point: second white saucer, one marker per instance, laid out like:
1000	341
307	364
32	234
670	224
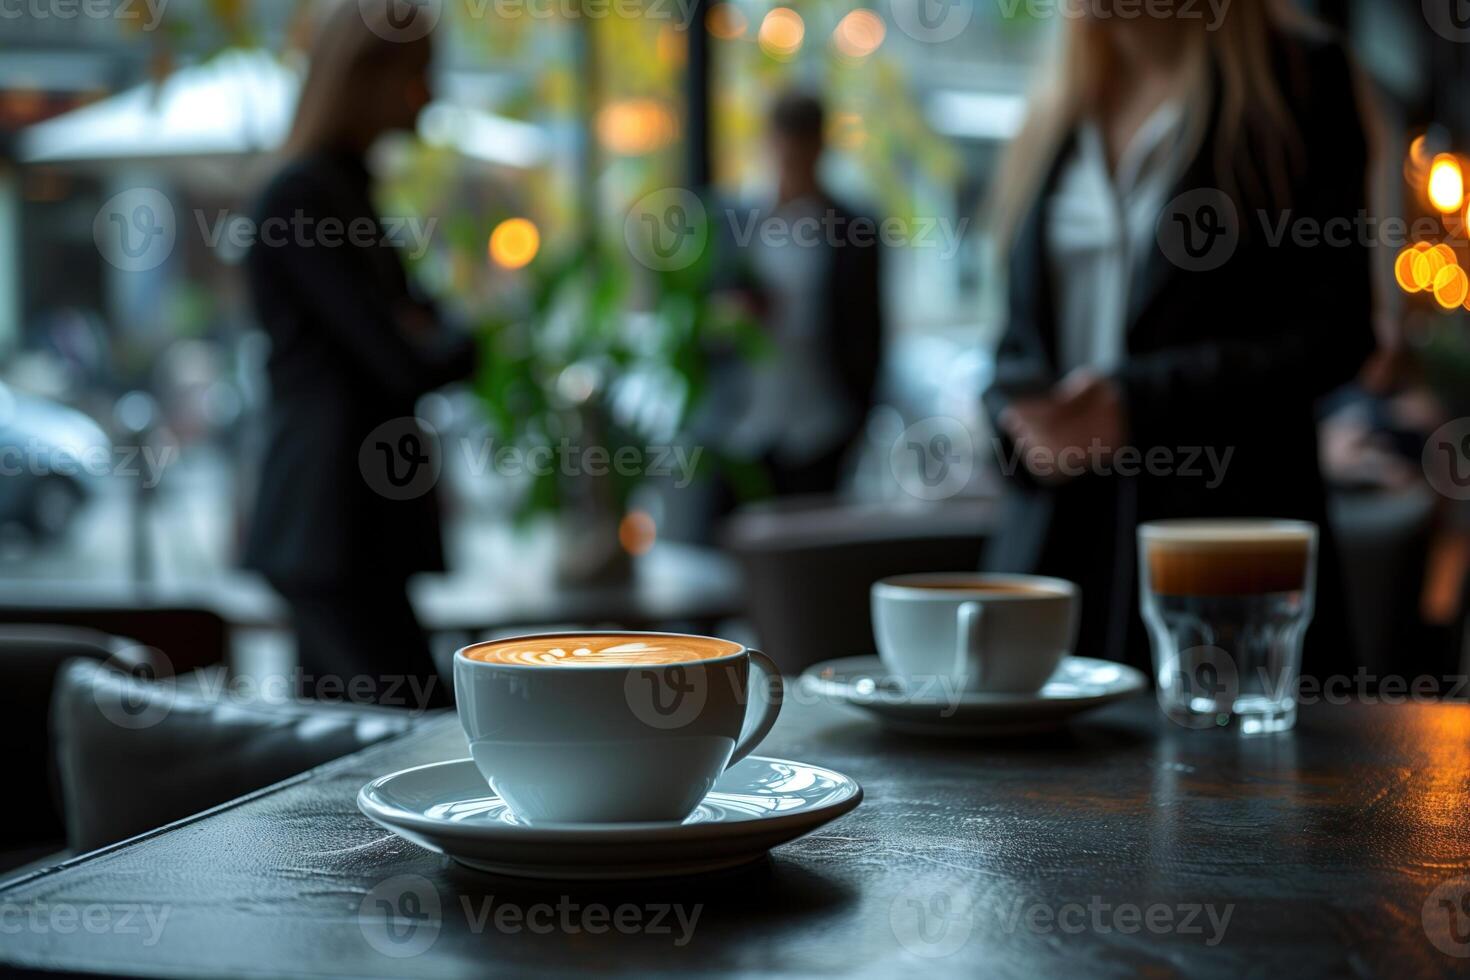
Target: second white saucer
756	804
1079	684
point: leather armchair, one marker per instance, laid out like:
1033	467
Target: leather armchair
30	657
135	754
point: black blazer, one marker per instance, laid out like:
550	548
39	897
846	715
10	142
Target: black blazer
852	328
854	311
1231	358
340	365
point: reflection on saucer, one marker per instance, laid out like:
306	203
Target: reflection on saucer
756	804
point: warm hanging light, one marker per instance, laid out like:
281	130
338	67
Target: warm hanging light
1430	260
1446	184
1416	164
781	33
858	34
1419	151
1451	287
1403	269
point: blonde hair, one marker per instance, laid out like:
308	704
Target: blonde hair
351	43
1236	56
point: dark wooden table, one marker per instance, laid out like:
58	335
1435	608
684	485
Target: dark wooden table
1121	847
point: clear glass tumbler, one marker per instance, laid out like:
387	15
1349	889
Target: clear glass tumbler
1227	603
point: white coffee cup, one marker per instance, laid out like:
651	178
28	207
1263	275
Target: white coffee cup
612	743
974	632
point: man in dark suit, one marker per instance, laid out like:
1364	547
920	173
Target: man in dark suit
812	268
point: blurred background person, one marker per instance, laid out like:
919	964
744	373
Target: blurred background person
810	269
1221	337
353	345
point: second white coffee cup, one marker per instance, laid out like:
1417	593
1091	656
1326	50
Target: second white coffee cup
975	632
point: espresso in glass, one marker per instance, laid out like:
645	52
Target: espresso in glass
1227	603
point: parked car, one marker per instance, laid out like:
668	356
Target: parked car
52	459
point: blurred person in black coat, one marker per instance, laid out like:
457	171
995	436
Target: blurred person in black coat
345	510
1156	306
810	267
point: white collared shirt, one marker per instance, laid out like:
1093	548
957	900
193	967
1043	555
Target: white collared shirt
1100	226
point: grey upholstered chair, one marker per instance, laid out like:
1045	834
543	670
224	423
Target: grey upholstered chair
30	657
808	566
134	754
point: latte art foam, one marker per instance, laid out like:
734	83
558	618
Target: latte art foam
612	650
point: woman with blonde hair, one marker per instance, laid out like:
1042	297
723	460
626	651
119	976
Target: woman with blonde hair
1183	283
345	510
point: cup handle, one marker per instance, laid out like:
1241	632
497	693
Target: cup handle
969	652
770	707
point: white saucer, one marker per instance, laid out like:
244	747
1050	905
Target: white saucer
757	804
1079	684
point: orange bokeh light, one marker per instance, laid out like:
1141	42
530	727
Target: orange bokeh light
781	33
1418	151
514	243
1446	184
726	22
637	532
1451	287
1428	263
1403	269
635	127
858	34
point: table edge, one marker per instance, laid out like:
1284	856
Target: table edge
425	729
